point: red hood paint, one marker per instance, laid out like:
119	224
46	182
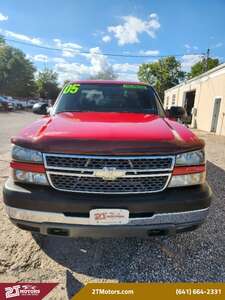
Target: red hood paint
108	133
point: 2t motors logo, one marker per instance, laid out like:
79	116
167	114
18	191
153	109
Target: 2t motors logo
25	290
21	290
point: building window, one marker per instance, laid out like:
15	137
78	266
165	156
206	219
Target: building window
167	102
173	99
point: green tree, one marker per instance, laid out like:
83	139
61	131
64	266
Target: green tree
2	40
16	73
47	84
162	74
202	66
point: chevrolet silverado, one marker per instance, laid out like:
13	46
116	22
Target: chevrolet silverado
107	160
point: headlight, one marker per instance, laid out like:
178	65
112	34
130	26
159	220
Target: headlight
191	158
30	177
26	155
189	169
28	166
187	180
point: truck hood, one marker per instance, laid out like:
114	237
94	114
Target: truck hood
107	134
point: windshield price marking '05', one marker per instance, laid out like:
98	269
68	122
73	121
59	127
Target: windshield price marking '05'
71	88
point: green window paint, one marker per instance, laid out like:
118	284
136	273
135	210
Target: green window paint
134	86
72	88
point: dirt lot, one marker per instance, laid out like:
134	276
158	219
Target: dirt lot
195	256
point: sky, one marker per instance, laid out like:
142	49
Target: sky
78	31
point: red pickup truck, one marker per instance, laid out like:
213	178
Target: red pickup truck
107	160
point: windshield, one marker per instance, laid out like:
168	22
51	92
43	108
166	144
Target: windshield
107	98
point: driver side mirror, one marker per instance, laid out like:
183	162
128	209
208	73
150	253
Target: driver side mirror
40	109
176	112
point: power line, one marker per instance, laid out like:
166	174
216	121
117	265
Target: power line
100	54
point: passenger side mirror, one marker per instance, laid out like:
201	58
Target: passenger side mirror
176	112
49	110
40	108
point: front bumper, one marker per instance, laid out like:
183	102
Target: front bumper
59	224
48	211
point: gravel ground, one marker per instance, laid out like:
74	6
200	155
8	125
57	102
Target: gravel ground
194	256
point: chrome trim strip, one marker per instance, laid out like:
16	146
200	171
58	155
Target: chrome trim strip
91	192
91	170
50	217
92	175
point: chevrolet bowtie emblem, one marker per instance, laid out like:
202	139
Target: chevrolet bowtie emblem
109	173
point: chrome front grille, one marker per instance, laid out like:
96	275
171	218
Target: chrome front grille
108	174
139	163
99	185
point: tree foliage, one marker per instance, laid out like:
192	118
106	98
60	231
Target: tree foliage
16	73
202	66
162	74
2	40
47	84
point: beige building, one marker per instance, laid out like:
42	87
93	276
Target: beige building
204	99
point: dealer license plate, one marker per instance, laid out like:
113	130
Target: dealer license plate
108	216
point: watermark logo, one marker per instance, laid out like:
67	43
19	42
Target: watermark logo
19	291
12	291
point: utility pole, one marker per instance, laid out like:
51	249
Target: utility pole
207	60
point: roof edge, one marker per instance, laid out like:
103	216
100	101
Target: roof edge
217	68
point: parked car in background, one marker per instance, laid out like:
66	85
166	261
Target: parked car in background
41	107
30	104
23	103
11	105
4	105
18	104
